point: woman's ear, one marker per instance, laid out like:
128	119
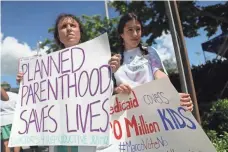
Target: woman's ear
121	35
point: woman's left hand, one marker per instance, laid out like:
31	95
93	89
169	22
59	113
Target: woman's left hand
185	100
114	62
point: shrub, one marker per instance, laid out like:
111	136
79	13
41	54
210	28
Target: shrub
217	118
219	141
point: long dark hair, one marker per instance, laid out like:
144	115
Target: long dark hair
123	20
56	32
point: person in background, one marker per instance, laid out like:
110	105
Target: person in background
4	95
8	105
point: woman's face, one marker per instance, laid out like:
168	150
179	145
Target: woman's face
69	32
131	34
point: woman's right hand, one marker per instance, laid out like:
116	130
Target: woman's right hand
19	77
123	88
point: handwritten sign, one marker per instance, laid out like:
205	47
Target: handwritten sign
64	97
151	119
24	60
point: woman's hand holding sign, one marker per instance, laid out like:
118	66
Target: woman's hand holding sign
123	88
19	77
114	62
185	100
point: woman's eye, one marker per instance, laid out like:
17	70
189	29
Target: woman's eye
130	29
73	25
63	26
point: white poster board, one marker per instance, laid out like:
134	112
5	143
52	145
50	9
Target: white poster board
64	97
25	60
151	119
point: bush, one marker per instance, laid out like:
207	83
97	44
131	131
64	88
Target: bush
217	118
220	142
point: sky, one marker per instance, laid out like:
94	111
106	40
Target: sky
25	23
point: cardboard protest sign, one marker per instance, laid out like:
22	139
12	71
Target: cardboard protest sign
64	97
151	119
24	60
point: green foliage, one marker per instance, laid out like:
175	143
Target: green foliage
215	123
96	25
193	17
220	142
153	16
217	118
